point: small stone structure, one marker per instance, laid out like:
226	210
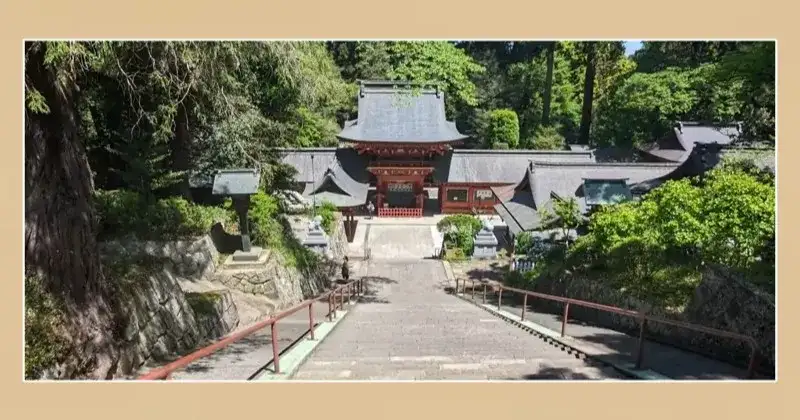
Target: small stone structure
316	239
485	242
292	202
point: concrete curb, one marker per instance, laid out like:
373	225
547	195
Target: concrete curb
569	344
295	356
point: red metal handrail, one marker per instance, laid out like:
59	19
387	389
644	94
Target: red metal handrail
164	372
641	316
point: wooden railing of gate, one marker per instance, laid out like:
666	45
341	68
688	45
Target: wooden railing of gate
399	212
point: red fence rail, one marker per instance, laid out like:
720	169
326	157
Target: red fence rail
399	212
348	290
641	316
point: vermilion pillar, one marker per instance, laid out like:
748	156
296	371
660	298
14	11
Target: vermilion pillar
418	191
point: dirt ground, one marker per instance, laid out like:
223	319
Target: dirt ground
480	269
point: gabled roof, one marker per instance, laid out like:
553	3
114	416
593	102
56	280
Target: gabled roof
693	165
498	166
565	179
337	175
323	158
544	182
338	187
400	112
516	207
675	146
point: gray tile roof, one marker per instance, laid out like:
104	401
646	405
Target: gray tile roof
388	113
498	166
691	166
566	179
691	133
300	159
338	187
676	146
341	176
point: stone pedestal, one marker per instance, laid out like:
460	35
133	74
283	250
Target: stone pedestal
316	240
254	254
485	243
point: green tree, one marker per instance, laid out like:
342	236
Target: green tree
644	107
753	67
548	138
565	216
439	63
548	84
60	223
655	56
502	128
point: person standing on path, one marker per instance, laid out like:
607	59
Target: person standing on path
370	208
345	270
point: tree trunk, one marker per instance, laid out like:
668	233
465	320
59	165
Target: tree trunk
180	146
588	93
548	84
60	223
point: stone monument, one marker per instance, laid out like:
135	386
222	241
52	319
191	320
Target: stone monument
485	242
316	239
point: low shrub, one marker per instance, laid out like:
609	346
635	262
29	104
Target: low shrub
523	243
548	138
269	230
328	212
459	232
123	212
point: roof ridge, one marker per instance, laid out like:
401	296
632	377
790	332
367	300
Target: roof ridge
540	164
308	149
522	152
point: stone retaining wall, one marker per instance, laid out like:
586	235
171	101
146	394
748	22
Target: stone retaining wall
164	321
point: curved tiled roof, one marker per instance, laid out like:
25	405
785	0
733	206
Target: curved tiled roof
498	166
396	112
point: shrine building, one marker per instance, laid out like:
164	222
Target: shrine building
402	154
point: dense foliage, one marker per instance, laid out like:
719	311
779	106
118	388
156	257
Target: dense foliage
654	249
502	128
327	211
271	231
126	212
459	232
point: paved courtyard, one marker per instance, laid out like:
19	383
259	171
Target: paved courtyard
408	327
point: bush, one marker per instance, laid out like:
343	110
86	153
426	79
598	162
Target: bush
123	212
328	212
268	230
264	229
459	231
502	127
44	319
523	243
548	138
